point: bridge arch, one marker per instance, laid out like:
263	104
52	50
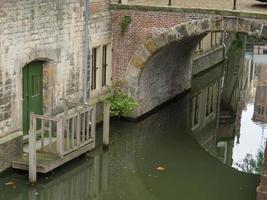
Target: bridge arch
161	68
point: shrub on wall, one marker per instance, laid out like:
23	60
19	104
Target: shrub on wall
126	20
121	104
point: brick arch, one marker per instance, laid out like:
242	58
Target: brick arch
153	44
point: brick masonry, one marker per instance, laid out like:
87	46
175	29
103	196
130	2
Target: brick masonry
149	33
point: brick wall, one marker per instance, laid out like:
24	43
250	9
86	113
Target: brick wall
143	25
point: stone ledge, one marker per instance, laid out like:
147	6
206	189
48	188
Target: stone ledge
10	137
254	15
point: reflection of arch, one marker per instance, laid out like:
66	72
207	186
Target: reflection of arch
147	56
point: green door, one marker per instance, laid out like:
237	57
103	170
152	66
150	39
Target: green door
32	92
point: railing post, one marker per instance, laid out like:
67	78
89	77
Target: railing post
93	125
170	3
106	121
60	137
32	149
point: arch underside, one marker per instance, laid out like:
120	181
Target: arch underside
166	74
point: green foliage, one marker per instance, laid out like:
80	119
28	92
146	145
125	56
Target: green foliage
120	103
126	20
251	164
238	44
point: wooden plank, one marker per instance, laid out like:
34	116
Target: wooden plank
68	134
42	134
46	117
54	163
106	122
78	130
88	125
93	126
60	138
83	128
72	131
32	149
50	135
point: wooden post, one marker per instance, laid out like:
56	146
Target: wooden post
32	149
106	121
60	137
93	125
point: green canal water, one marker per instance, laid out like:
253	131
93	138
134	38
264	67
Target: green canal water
168	155
128	170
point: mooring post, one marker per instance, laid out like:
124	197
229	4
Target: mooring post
32	149
106	121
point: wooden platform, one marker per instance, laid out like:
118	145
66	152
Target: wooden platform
46	161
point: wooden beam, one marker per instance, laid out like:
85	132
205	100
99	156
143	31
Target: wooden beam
32	149
106	122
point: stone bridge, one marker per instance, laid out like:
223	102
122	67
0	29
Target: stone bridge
153	55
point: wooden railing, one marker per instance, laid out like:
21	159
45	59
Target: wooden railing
61	134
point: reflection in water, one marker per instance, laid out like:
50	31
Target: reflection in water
236	136
85	178
217	114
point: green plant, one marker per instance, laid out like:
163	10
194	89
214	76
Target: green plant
238	44
251	164
126	20
120	103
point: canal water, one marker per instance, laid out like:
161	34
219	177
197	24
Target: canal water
205	145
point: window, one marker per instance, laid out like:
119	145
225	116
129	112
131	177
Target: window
104	65
195	103
210	101
260	110
94	69
100	67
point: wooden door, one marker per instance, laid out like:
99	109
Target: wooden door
32	92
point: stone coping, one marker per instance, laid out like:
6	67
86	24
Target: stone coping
245	14
10	137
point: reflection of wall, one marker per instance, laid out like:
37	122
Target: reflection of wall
260	104
236	76
86	178
204	100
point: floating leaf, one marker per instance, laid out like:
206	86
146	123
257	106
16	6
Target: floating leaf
160	168
10	183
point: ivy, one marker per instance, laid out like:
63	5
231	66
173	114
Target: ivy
126	20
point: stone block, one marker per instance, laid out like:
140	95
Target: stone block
151	45
137	61
244	25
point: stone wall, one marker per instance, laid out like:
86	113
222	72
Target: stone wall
51	31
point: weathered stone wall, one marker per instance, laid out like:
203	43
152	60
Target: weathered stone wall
51	31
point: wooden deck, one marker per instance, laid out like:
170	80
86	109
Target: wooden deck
46	161
55	140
